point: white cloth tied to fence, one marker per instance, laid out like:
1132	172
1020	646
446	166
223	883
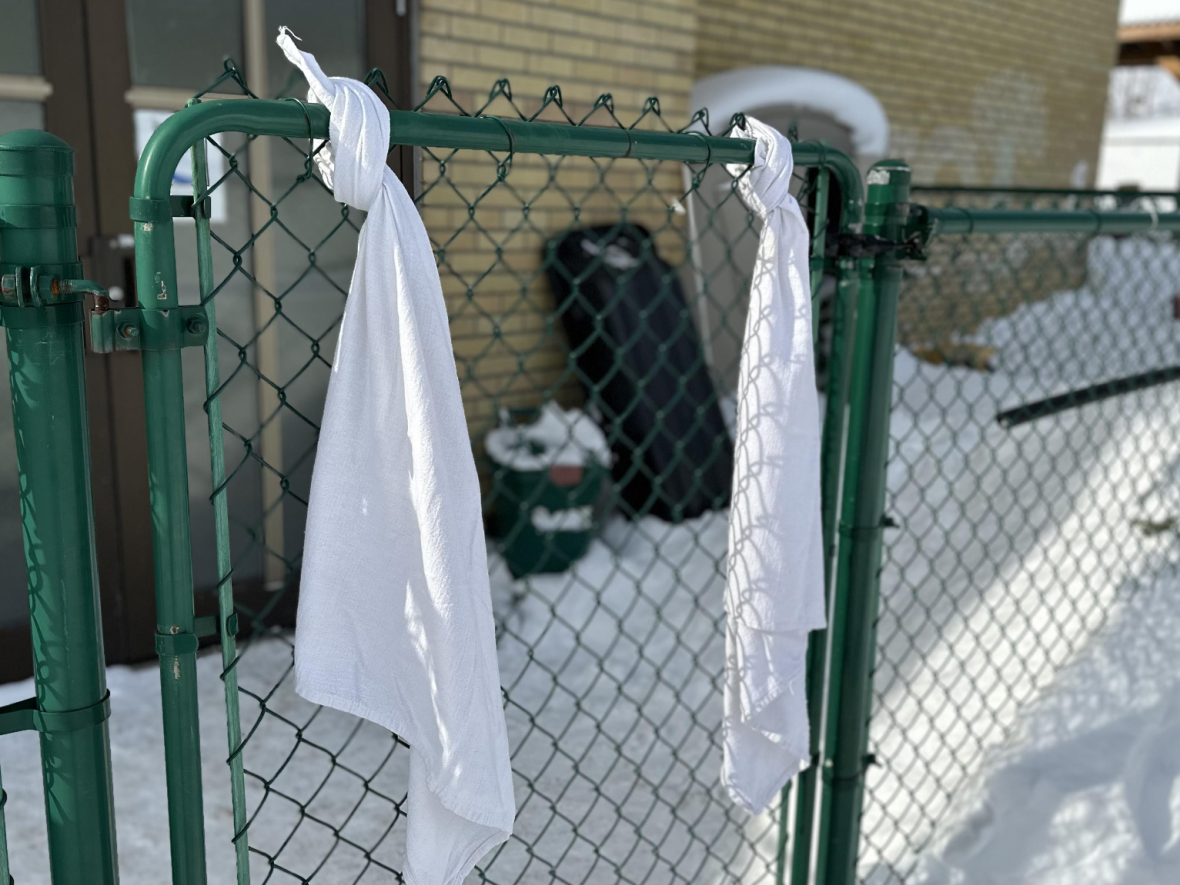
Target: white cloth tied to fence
395	616
774	581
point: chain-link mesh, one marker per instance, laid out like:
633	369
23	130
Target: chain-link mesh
611	661
1022	636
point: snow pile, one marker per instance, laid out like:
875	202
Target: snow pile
558	437
1004	679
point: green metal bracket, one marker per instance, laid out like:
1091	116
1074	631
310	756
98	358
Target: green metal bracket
24	716
133	328
851	244
209	626
152	211
186	643
28	287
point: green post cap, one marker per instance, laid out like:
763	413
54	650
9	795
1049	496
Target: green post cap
33	138
37	215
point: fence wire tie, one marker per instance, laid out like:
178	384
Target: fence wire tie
503	166
705	140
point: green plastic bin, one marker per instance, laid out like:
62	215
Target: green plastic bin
545	518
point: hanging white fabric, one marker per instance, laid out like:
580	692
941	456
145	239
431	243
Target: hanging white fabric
774	579
395	617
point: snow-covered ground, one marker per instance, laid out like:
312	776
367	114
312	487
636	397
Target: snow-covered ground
1027	670
1028	712
612	673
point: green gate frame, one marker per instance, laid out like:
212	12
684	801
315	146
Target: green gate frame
152	210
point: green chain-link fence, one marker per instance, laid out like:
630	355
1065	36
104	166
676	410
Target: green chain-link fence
1030	490
611	667
1029	558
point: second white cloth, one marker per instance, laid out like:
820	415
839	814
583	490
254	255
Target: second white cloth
774	580
395	615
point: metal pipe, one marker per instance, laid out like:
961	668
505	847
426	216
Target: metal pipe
176	642
930	221
5	876
862	523
290	119
220	499
1095	393
831	458
818	239
1037	191
45	359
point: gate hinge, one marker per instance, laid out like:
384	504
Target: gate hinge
857	245
133	328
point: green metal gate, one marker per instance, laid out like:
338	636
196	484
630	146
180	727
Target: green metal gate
611	669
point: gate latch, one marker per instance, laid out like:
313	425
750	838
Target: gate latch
27	287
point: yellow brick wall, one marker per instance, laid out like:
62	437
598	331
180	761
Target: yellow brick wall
510	348
979	92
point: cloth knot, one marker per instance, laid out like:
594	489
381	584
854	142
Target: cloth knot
775	571
767	185
360	123
395	613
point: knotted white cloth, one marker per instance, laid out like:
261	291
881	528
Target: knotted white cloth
774	581
395	616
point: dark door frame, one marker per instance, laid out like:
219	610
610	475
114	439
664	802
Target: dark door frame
85	57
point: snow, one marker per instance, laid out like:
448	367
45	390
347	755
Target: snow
557	436
1028	699
1024	675
1135	12
612	670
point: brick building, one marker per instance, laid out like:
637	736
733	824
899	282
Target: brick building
994	94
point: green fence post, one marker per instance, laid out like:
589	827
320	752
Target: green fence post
832	453
861	526
42	314
176	639
5	877
806	790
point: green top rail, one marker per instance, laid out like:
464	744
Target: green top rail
1037	191
293	119
926	221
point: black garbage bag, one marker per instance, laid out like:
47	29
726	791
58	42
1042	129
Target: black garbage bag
641	363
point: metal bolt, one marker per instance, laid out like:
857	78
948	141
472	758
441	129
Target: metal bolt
197	326
129	330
